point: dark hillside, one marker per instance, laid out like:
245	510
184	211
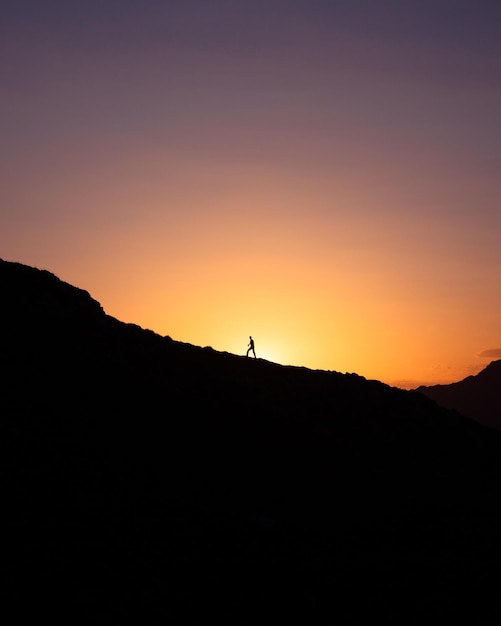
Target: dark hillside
478	397
149	481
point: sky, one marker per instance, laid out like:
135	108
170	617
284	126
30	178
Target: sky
321	175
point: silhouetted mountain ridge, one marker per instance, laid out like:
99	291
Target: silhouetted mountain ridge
478	397
150	480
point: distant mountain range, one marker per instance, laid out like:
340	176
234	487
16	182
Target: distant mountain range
478	397
149	481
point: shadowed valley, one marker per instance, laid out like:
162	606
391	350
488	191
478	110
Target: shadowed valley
152	481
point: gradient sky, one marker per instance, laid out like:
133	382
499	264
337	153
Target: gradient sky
321	175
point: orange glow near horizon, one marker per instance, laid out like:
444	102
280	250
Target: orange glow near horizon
231	276
320	276
316	182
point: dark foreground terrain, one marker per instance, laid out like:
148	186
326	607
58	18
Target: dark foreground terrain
152	482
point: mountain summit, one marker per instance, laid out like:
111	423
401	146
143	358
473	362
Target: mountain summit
150	481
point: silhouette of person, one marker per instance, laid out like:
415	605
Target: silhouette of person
251	347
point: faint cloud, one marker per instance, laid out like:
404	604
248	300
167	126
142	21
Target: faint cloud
473	369
493	353
441	368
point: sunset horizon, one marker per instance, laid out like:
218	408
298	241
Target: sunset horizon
277	351
322	176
